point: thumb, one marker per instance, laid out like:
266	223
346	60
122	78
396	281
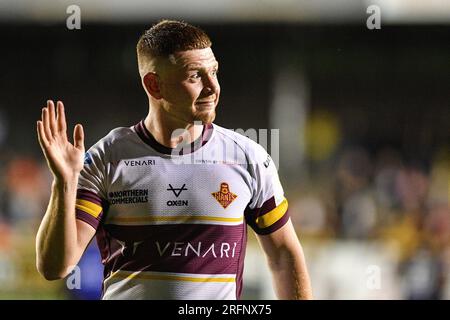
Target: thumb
78	137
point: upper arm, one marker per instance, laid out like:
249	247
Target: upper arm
85	233
282	240
287	263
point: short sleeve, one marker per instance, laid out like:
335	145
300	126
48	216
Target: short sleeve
91	201
268	209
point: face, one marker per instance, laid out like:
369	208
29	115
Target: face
189	86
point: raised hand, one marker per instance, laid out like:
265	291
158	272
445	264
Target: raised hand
64	159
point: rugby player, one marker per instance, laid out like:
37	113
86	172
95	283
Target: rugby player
168	199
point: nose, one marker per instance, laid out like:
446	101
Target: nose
211	84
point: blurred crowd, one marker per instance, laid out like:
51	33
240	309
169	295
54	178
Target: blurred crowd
368	196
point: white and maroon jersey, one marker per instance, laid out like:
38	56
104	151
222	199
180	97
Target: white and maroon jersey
171	224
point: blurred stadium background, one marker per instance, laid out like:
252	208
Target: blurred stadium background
363	117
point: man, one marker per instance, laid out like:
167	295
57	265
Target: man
170	197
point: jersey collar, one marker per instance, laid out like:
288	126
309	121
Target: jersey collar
148	138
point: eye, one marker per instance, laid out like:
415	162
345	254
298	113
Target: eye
214	72
195	75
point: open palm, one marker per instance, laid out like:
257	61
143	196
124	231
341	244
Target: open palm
64	159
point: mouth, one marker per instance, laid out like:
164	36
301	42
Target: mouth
206	105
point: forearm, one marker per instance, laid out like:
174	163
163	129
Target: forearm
290	274
56	241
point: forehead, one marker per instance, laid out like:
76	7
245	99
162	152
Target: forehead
193	58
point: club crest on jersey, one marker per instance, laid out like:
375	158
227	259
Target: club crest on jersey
224	196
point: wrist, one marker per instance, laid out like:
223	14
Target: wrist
66	182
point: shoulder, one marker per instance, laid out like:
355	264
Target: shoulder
114	139
252	150
117	136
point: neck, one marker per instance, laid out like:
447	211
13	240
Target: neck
170	131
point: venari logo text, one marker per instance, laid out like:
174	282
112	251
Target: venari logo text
137	163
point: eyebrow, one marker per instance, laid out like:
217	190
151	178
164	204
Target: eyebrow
195	66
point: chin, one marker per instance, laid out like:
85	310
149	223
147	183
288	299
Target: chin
205	117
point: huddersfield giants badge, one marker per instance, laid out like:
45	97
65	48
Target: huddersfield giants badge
224	196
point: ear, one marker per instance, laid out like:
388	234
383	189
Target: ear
151	83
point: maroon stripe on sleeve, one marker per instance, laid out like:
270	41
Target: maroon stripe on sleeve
86	217
268	206
274	227
252	214
89	196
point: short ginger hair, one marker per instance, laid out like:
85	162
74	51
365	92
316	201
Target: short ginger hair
168	37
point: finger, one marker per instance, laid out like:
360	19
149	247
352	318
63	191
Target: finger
41	135
61	117
46	125
78	137
52	116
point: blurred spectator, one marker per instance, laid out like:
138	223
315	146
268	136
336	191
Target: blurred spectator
388	165
422	276
412	187
356	207
27	187
309	215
